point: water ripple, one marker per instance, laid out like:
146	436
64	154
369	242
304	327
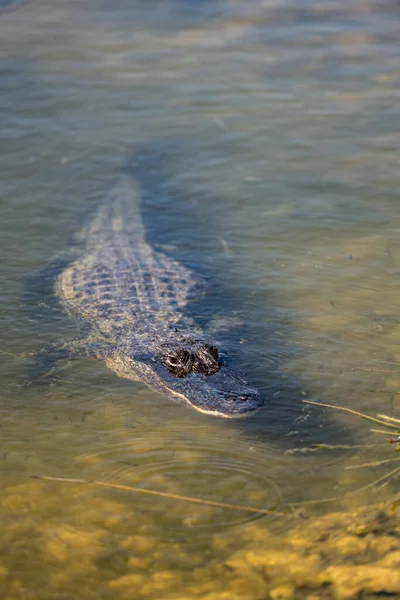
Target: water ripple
201	464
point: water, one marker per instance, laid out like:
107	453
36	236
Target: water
279	181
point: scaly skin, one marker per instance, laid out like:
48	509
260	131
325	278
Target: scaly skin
135	297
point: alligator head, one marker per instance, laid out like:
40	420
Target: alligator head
194	372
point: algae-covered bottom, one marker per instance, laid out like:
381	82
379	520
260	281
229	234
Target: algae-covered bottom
341	555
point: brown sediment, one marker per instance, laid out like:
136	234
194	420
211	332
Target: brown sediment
343	555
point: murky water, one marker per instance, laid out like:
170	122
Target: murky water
273	130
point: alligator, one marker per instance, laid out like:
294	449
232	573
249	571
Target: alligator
134	297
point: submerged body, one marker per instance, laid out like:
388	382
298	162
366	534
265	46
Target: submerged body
135	297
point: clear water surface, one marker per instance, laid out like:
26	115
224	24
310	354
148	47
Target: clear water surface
275	173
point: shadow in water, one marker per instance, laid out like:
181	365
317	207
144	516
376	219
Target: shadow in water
197	455
181	222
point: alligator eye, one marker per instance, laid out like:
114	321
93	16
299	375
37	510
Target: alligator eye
206	360
178	362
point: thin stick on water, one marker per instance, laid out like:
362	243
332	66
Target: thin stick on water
348	494
20	355
395	422
385	431
381	421
128	488
377	463
316	447
373	370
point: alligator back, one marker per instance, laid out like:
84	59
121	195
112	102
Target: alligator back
119	280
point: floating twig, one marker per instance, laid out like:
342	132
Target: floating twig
371	464
315	447
348	494
383	420
128	488
390	420
373	370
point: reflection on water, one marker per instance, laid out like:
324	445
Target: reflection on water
280	185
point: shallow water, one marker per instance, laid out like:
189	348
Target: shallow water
276	123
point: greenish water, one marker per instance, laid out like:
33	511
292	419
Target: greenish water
279	179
